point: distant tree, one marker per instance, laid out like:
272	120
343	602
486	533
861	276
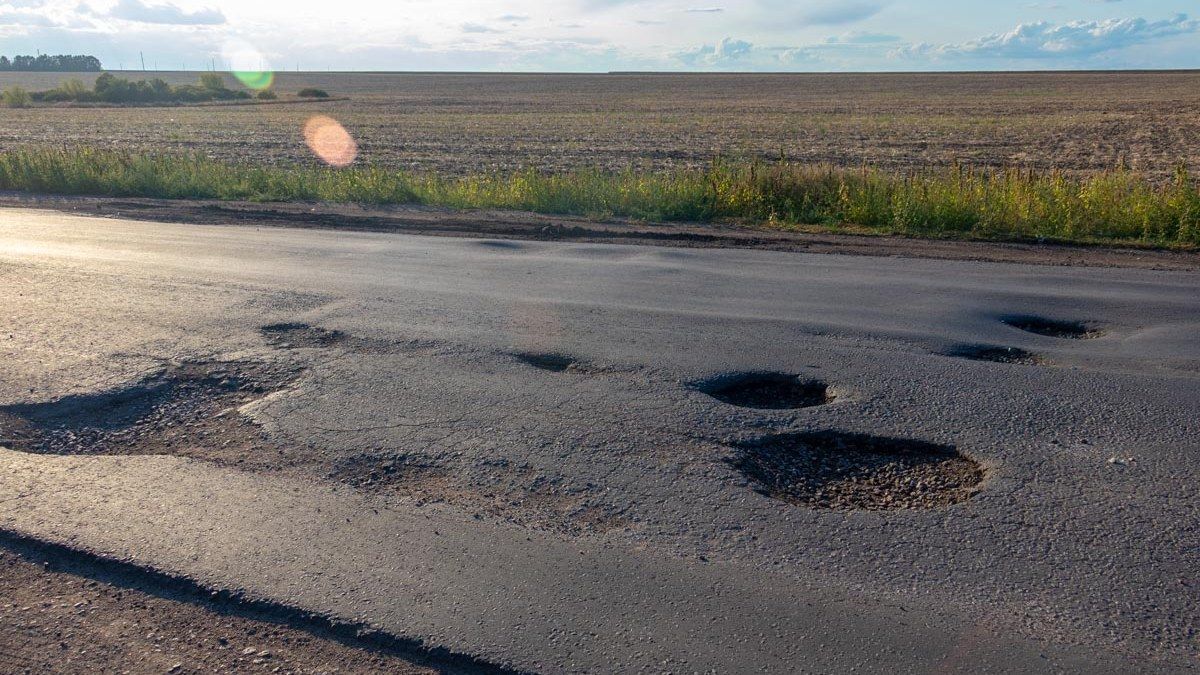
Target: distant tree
112	89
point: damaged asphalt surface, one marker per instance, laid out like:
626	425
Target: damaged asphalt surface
561	457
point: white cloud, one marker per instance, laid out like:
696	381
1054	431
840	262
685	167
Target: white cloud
136	10
726	51
471	27
1047	40
24	18
839	13
598	35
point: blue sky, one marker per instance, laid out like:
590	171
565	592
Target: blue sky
603	35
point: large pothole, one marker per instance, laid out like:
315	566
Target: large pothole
842	471
768	391
1065	330
186	409
996	354
555	363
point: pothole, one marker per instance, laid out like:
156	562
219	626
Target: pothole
186	409
768	391
368	472
997	355
502	244
301	335
841	471
1066	330
555	363
520	496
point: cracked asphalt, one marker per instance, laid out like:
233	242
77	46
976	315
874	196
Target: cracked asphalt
505	449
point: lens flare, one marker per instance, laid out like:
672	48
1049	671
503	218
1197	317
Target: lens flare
253	80
248	65
330	141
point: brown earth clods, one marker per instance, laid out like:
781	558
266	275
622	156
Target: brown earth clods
469	123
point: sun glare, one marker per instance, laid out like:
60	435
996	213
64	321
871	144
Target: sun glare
330	141
248	65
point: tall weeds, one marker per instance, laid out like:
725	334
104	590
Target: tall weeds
1118	206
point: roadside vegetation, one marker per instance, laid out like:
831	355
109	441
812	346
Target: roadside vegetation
1117	206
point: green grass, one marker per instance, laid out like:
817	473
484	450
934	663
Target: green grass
1118	206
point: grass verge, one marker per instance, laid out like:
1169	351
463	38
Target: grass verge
1117	206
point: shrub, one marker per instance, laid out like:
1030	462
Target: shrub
74	89
112	89
310	92
16	97
212	82
266	95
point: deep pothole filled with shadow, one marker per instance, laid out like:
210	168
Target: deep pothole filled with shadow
185	409
768	391
554	363
995	354
843	471
1063	330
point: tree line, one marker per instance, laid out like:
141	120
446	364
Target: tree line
47	63
112	89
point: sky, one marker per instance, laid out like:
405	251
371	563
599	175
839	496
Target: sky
608	35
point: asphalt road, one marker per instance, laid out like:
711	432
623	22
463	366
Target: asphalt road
594	518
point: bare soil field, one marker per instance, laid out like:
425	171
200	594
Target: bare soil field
463	123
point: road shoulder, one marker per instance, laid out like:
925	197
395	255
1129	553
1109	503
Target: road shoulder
531	226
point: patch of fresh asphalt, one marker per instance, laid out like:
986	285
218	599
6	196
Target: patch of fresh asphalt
591	516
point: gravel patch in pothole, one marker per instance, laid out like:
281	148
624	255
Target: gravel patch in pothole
517	495
302	336
842	471
768	391
187	409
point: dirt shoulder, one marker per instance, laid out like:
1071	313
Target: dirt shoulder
532	226
64	612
